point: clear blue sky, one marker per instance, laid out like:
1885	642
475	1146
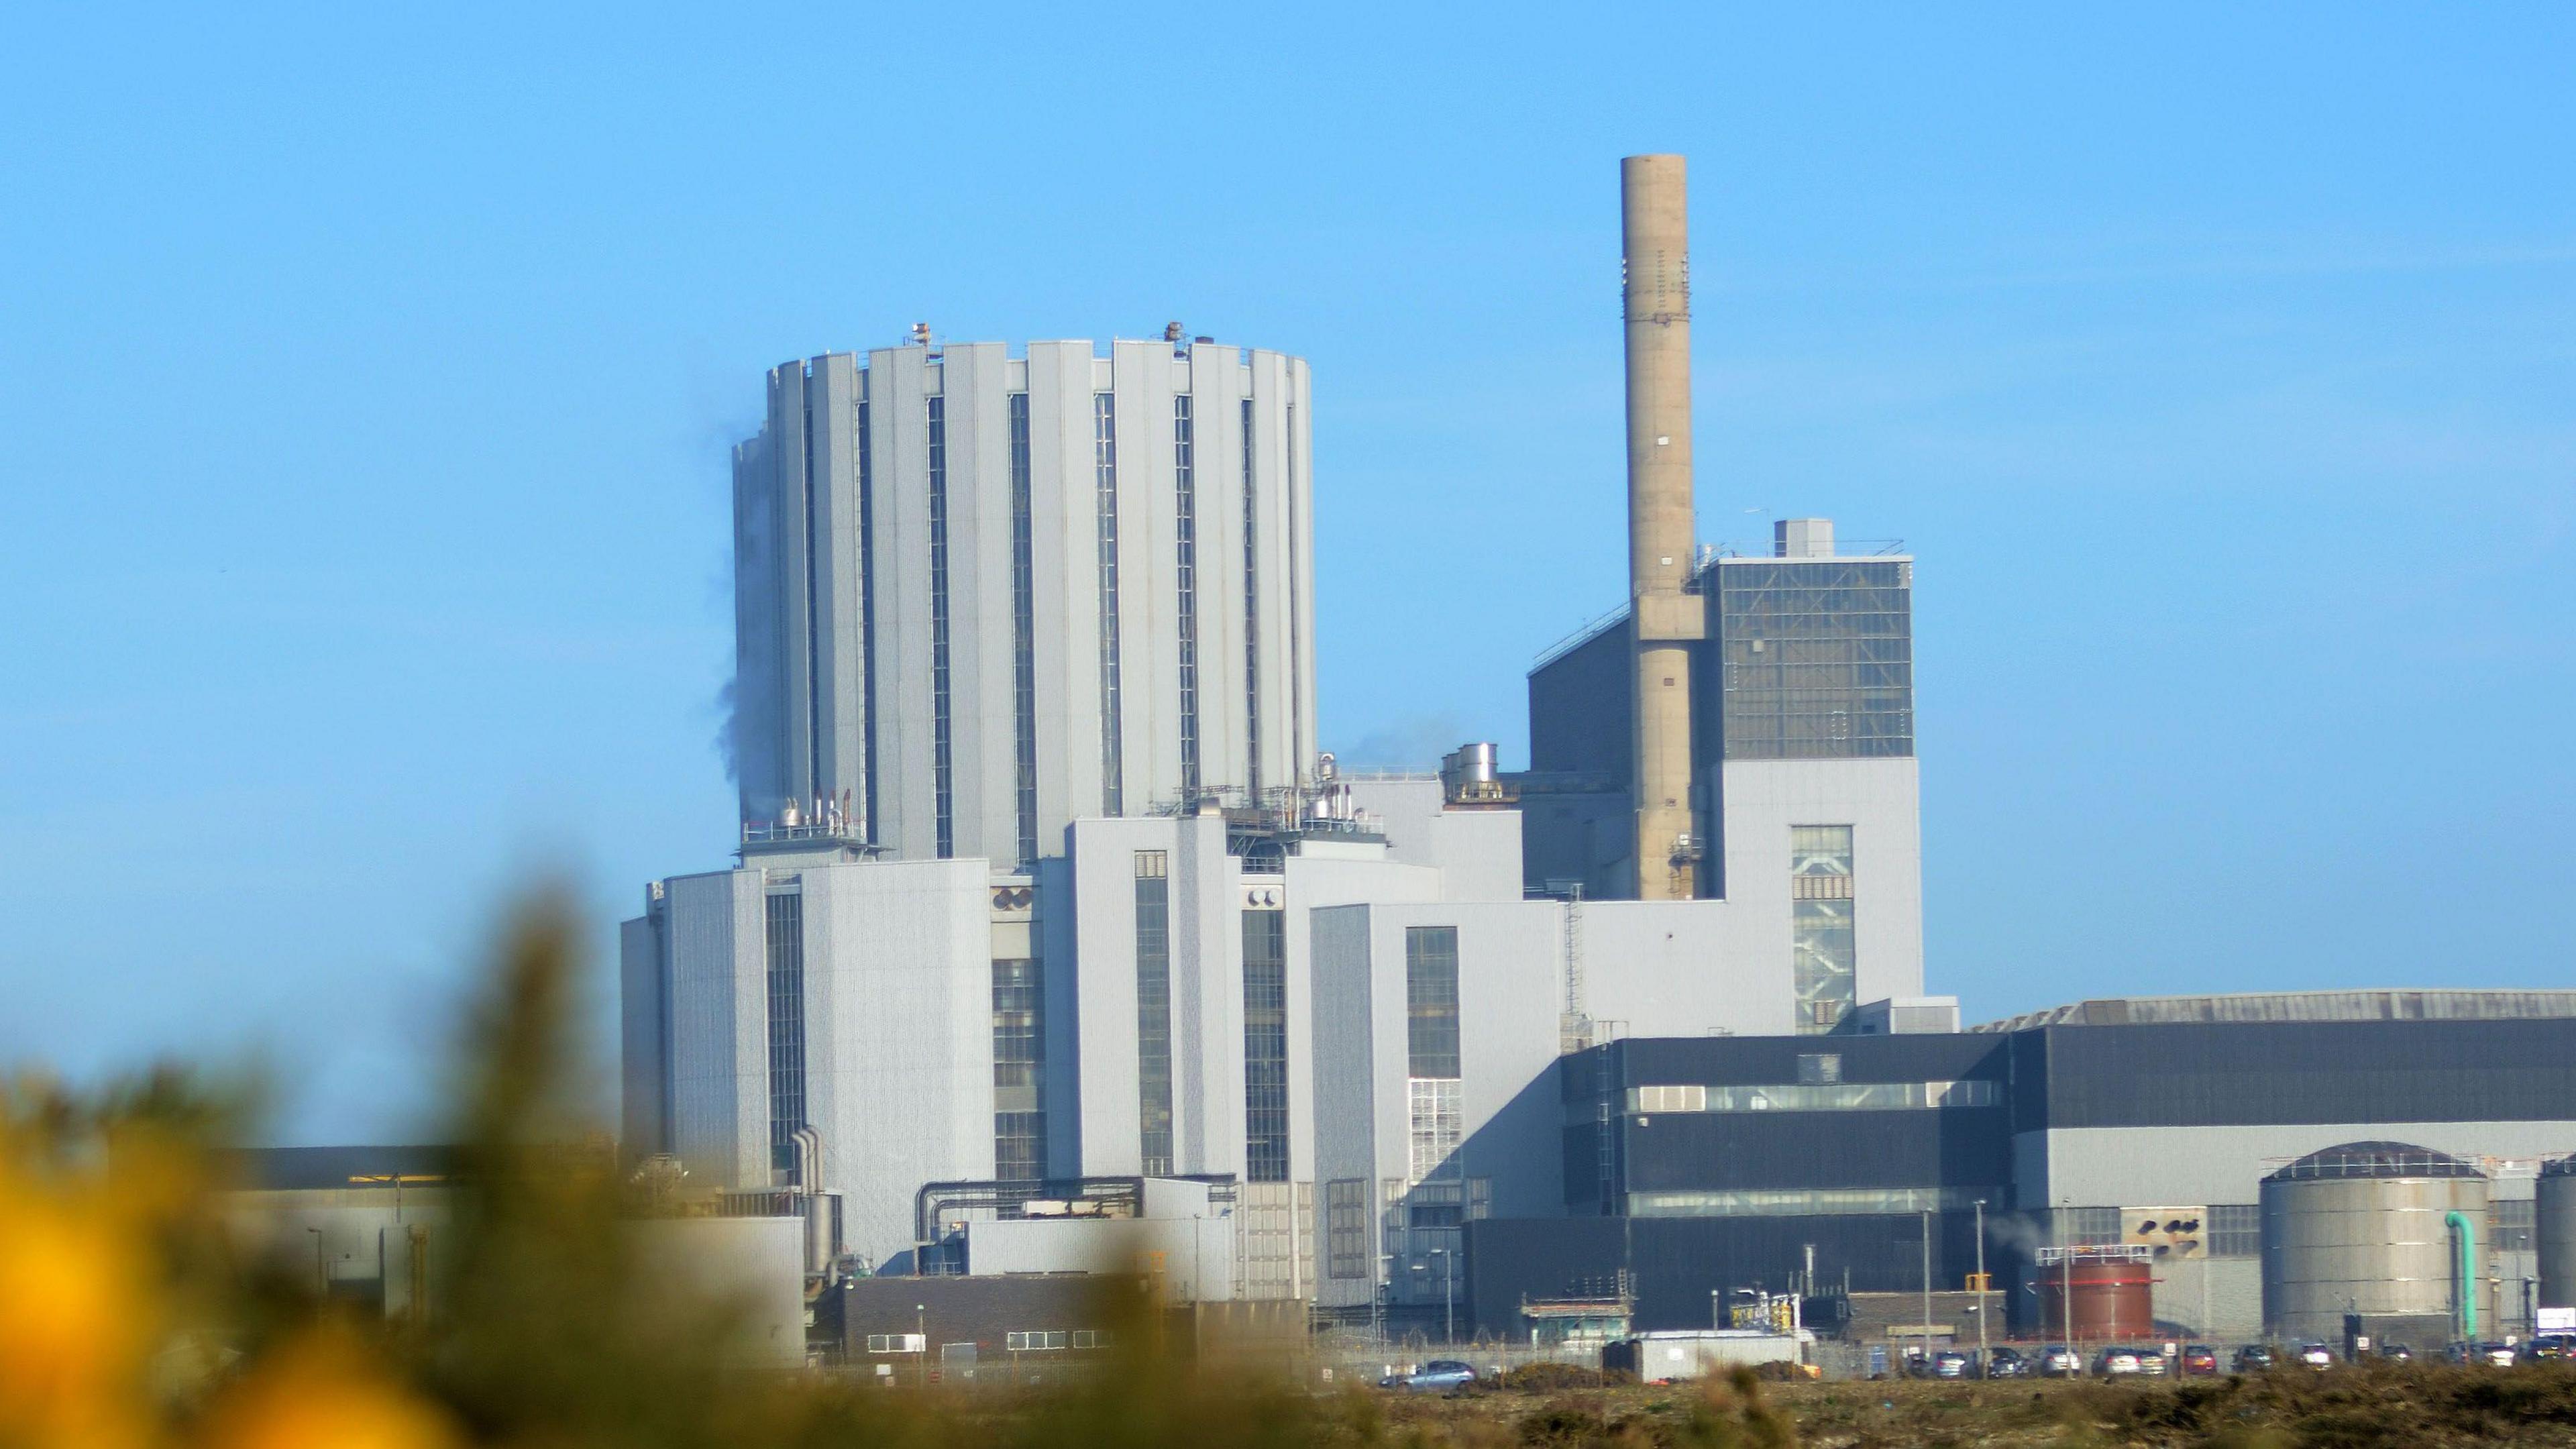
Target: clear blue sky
366	376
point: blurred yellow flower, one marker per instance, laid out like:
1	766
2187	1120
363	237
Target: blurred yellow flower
322	1393
73	1305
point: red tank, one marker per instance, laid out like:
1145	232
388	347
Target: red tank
2112	1294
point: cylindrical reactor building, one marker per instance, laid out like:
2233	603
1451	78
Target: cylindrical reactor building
2363	1228
979	596
2554	1232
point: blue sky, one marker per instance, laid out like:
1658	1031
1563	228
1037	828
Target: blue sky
365	381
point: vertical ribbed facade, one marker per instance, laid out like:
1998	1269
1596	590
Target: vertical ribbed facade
978	596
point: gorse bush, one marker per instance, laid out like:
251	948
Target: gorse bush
129	1320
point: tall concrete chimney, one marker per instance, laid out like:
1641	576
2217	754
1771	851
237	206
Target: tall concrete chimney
1655	288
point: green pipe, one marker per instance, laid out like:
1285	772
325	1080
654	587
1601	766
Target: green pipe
2464	1272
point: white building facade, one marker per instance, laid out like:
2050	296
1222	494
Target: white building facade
979	596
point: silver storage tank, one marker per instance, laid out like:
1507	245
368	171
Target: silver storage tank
2362	1229
2553	1232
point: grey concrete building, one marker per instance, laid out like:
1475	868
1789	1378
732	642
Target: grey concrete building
978	596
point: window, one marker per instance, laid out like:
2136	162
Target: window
868	622
1093	1338
895	1343
1186	535
1431	1001
1265	1046
786	973
2087	1226
1104	467
1034	1341
1435	1215
1815	1097
2235	1230
942	780
2514	1221
1296	607
1019	1068
1154	1011
1818	658
1431	1048
1024	667
1431	1105
1346	1225
1823	955
1820	1067
818	610
1251	617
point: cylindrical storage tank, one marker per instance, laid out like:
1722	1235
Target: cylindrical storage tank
2554	1232
2110	1291
2362	1228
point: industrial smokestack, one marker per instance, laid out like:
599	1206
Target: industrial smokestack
1654	244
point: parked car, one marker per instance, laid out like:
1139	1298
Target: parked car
2396	1353
2314	1354
2057	1361
2483	1355
2008	1363
2253	1358
2198	1358
2151	1362
2118	1363
2549	1345
1439	1376
1952	1364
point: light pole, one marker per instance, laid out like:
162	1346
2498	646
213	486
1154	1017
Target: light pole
1927	1288
2066	1284
1981	1287
1448	1295
921	1355
321	1265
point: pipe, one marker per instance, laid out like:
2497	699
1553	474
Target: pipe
1654	238
2464	1250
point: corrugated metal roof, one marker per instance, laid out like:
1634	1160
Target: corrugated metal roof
2439	1005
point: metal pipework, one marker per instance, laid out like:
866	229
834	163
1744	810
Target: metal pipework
1655	290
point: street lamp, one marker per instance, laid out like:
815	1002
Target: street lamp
1981	1285
1448	1295
1926	1328
2066	1283
921	1336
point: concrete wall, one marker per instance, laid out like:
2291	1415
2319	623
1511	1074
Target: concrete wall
2140	1166
1191	1257
750	1268
719	1086
1879	800
899	1036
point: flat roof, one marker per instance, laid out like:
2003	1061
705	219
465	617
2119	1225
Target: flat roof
2377	1004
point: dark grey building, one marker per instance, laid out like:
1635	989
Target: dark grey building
1698	1164
1808	659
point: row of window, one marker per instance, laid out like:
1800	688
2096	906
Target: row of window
1154	1010
1024	666
1812	1202
784	937
1034	1340
942	778
1041	1340
1816	1097
1019	1069
1824	955
1185	533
